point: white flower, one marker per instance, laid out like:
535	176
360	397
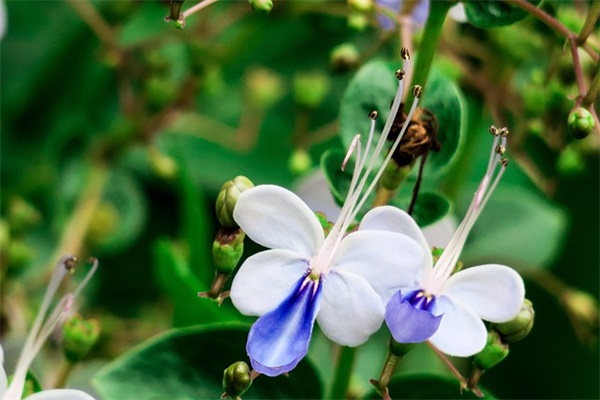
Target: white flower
342	281
42	328
448	308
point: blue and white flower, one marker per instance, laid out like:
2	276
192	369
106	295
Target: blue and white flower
41	330
342	281
445	307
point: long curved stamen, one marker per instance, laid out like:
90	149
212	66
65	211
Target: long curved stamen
496	167
43	327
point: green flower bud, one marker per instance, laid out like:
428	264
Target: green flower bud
22	215
162	165
227	250
400	349
228	197
518	327
310	88
358	21
105	221
79	336
264	87
299	162
344	57
570	162
361	5
493	352
19	253
236	379
262	6
580	123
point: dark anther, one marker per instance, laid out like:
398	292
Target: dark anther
417	91
404	54
493	130
500	150
503	132
70	263
504	162
400	74
373	115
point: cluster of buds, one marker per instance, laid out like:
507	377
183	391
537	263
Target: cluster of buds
500	335
228	245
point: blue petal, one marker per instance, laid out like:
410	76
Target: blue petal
279	339
385	22
409	318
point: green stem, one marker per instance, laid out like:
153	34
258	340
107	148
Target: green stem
343	371
430	40
594	89
590	22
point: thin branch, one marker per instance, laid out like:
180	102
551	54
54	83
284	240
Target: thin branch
590	23
197	7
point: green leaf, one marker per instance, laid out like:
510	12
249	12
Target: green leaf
188	364
182	286
373	88
337	180
517	228
493	13
429	208
427	386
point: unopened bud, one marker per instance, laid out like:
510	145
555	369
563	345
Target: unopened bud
236	379
580	123
400	349
358	21
362	6
344	57
518	327
22	215
80	335
261	6
310	88
264	87
299	162
493	352
162	165
227	198
227	250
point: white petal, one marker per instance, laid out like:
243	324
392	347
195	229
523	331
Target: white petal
461	332
314	191
387	260
351	311
494	292
392	219
60	394
265	279
276	218
440	233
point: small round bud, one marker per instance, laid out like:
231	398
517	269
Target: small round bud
362	6
310	88
227	250
400	349
580	123
263	87
227	198
22	215
358	21
180	23
261	6
236	379
80	335
518	327
162	165
493	352
344	57
570	162
299	162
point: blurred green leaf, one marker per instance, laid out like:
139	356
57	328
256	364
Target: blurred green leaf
181	364
493	13
429	208
427	386
180	283
517	228
337	180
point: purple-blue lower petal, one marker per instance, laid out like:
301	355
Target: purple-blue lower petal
410	319
279	339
